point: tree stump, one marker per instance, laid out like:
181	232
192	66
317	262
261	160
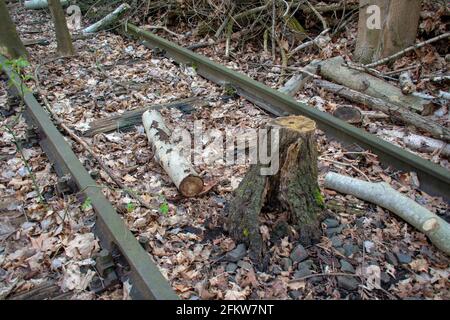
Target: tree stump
293	190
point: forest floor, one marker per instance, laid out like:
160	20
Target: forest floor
53	241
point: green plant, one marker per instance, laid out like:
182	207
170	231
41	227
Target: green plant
130	207
164	206
319	198
87	204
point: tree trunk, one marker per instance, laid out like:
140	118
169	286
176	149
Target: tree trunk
10	44
392	31
293	187
65	46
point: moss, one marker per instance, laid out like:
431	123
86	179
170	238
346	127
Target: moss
230	90
319	198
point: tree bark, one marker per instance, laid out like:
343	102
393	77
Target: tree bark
400	27
169	156
293	188
399	21
396	112
436	228
335	70
10	44
65	46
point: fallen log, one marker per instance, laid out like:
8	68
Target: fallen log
420	143
40	4
179	169
134	117
395	111
291	186
335	70
108	19
382	194
298	81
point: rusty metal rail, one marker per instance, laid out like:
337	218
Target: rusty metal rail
146	280
433	178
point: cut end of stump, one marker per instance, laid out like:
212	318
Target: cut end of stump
191	186
296	123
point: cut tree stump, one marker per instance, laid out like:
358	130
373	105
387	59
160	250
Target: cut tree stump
348	114
293	188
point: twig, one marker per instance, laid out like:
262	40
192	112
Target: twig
310	43
273	29
414	47
318	15
165	29
347	165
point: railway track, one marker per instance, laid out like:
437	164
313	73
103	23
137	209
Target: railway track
434	179
147	281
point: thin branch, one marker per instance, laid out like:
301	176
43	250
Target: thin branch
401	53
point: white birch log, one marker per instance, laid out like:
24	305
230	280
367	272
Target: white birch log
419	143
434	227
40	4
108	19
169	156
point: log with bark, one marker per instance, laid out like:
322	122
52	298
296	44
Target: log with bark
396	112
419	143
108	19
292	187
298	81
41	4
134	117
382	194
335	70
179	169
